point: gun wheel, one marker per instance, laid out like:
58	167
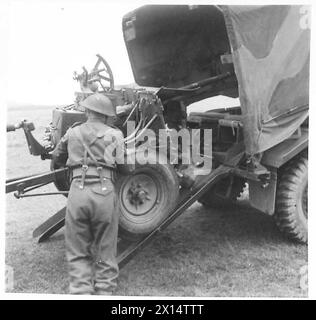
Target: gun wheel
63	184
292	199
145	199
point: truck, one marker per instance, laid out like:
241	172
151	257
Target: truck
180	55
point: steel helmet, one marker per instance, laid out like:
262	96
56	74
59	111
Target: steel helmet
99	103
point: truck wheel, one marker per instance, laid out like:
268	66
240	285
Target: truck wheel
291	199
146	198
215	197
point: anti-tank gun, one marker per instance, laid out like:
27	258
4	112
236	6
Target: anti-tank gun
141	107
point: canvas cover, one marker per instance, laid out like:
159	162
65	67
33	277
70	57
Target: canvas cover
270	51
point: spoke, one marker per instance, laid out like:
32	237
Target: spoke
97	64
100	70
104	78
102	85
104	70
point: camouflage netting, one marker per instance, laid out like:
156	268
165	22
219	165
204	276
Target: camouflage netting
271	48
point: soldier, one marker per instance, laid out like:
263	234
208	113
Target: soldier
92	215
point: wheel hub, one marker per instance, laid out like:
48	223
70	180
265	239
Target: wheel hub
140	194
137	195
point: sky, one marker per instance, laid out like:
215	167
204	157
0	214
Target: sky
48	41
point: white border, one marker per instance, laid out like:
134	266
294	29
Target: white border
3	72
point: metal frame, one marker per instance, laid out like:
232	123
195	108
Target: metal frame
29	183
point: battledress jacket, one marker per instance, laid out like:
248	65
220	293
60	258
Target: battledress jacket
106	144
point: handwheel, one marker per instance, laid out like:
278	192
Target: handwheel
101	73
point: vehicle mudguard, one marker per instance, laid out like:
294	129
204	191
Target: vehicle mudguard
286	150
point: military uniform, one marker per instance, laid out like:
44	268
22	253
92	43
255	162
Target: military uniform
92	213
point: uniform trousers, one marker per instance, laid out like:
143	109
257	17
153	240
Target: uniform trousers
91	237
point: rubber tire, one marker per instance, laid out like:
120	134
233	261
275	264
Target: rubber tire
292	188
62	184
131	228
212	200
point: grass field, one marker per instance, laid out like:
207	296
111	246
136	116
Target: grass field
233	252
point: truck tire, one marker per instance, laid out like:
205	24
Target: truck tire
292	198
145	199
213	198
